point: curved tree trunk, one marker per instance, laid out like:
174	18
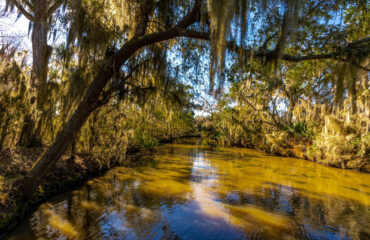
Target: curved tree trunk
66	136
91	101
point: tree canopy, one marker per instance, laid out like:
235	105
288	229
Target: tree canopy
275	67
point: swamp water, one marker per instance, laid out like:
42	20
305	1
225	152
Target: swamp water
188	191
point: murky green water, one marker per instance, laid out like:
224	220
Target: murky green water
195	192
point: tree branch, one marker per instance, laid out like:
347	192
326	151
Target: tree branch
108	94
90	102
138	42
265	53
29	5
192	17
23	10
54	7
364	40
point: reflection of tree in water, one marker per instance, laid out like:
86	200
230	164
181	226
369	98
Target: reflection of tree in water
319	200
347	218
118	205
217	188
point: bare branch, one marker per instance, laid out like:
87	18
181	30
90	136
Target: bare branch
54	7
29	5
192	17
23	10
107	95
364	40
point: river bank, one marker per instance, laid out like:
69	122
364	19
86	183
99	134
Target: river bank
301	150
68	173
186	190
71	172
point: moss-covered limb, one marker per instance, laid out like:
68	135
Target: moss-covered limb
340	54
91	101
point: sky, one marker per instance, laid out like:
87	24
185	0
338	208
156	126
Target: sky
16	27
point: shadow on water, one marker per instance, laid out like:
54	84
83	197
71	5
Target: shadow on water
187	191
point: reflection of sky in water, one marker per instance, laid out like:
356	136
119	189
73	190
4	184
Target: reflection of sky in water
196	192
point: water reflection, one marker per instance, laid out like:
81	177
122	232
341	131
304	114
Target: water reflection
196	192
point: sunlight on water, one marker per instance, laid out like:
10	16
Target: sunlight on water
189	191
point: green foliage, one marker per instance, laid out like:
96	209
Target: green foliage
144	139
272	104
314	109
14	84
301	129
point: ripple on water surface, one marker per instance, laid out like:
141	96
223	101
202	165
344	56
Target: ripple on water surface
189	191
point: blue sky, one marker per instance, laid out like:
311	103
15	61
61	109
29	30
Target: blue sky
18	28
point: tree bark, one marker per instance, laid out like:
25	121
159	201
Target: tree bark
40	51
91	101
30	134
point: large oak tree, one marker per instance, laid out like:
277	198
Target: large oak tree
269	31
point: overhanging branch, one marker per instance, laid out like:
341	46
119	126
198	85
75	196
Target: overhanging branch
138	42
23	10
54	7
266	53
